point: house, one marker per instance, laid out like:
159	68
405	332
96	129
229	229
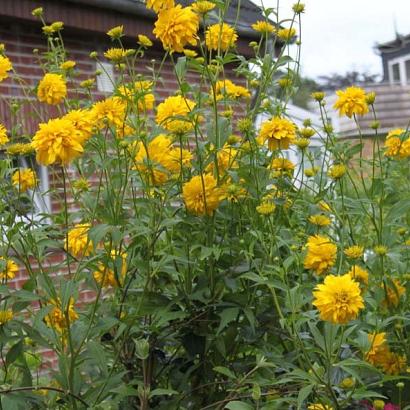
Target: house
392	94
85	25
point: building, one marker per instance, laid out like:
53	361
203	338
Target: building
392	94
85	25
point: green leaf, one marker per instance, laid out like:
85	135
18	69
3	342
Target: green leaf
227	316
162	392
225	371
304	393
238	405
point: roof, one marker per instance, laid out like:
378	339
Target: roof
249	12
394	45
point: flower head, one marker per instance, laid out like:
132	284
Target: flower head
10	269
19	148
5	66
172	114
159	5
77	242
266	208
397	144
263	27
338	299
201	194
115	54
282	166
83	121
4	139
177	27
112	273
67	65
351	101
5	316
286	34
229	89
354	251
116	32
337	171
321	254
202	6
319	406
394	290
279	132
110	111
359	274
220	37
319	220
24	179
144	41
52	89
57	141
57	318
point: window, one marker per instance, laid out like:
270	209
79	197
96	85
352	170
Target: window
407	66
105	81
396	73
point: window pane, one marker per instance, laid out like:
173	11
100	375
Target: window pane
396	72
407	64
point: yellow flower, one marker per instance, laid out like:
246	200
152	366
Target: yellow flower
10	269
114	273
83	121
5	66
220	36
141	91
201	194
394	291
115	54
24	179
397	144
279	132
282	166
266	208
319	220
110	111
354	251
52	89
87	83
57	26
57	141
116	32
144	41
202	6
170	111
323	206
307	132
190	53
57	319
176	27
229	89
37	12
4	139
48	30
77	242
380	250
338	299
359	274
263	27
286	34
158	5
67	65
81	184
318	95
321	254
319	406
311	172
347	383
234	192
337	171
351	101
302	143
378	348
19	148
226	158
393	363
162	160
5	316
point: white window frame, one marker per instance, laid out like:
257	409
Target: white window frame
402	69
105	81
41	197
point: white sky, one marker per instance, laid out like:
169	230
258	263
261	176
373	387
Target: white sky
339	35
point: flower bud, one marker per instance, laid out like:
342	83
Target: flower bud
371	98
318	96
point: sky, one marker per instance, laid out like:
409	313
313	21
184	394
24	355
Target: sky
340	35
